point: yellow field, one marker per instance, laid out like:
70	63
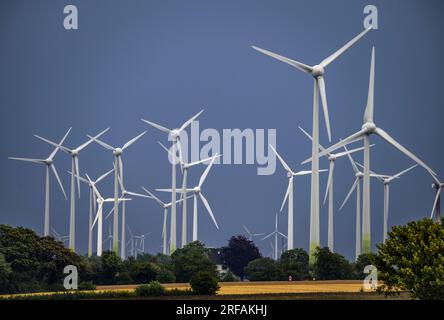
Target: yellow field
270	287
253	288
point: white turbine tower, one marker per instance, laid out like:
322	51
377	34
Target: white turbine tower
386	182
197	191
329	189
165	207
92	205
276	233
124	194
99	216
175	136
185	166
49	163
118	163
251	235
317	72
74	153
436	210
289	194
357	185
368	128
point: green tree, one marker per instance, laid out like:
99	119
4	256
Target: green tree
239	252
5	273
331	266
144	272
36	263
363	260
262	269
412	259
111	267
204	282
294	263
191	259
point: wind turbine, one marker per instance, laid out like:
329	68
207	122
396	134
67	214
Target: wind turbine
185	166
165	207
49	162
251	235
109	238
74	153
141	239
92	204
175	136
276	233
436	210
99	216
118	163
357	185
197	191
386	182
317	72
131	240
368	128
329	190
289	194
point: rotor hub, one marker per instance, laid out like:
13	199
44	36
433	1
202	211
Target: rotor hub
196	190
75	152
289	175
332	157
117	151
435	186
175	133
369	127
318	71
359	175
48	162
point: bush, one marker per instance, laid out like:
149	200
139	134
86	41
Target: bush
205	283
87	285
153	289
294	263
331	266
263	269
229	277
165	276
412	259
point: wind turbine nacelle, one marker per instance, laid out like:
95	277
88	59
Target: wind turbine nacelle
74	153
196	190
359	175
369	127
318	71
117	151
175	133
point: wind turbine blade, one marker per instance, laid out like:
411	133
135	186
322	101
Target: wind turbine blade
310	137
84	145
52	143
119	178
330	177
126	145
179	149
283	235
268	236
103	176
109	213
286	195
153	196
167	150
349	193
52	155
39	161
355	168
402	172
336	55
205	174
351	151
188	122
80	178
207	205
93	185
103	144
352	138
384	135
157	126
435	203
97	215
321	87
135	194
54	170
120	171
368	114
246	229
298	65
191	164
284	164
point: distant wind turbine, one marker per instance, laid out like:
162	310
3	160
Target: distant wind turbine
276	233
251	235
49	162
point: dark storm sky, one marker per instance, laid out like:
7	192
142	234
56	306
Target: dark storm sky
165	60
